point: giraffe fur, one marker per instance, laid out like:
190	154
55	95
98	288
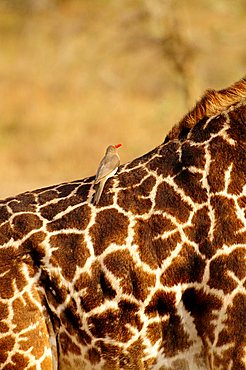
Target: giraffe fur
153	277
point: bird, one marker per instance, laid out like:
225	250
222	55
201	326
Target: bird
106	169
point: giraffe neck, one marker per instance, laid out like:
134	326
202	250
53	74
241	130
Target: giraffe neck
152	277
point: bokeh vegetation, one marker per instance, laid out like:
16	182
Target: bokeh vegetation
79	75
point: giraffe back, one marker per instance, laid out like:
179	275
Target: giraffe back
151	278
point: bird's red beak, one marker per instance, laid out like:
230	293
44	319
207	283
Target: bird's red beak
118	145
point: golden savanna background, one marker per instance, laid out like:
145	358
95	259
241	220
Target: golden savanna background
78	75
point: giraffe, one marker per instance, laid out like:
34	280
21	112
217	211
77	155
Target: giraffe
153	277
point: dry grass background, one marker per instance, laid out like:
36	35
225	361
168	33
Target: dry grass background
76	76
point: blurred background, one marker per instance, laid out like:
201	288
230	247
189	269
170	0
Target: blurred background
76	76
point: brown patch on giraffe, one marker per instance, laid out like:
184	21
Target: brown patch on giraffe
162	247
187	267
72	321
227	224
164	167
133	358
17	206
171	202
23	317
70	317
83	337
190	183
107	290
159	224
225	155
51	210
237	130
20	361
6	233
71	251
28	316
47	196
234	334
83	191
41	365
152	251
5	201
150	362
203	130
4	312
4	214
131	178
192	156
3	326
97	285
145	187
221	266
27	197
33	246
93	297
126	362
203	307
131	200
111	353
77	218
174	337
37	337
133	280
130	311
169	328
45	364
162	303
222	155
11	265
6	345
241	201
24	223
23	203
199	231
110	226
154	332
65	190
55	292
212	103
113	323
93	356
238	173
67	345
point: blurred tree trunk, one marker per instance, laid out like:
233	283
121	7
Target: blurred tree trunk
168	27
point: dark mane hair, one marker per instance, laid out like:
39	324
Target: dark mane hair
212	103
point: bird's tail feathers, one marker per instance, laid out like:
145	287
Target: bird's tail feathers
98	192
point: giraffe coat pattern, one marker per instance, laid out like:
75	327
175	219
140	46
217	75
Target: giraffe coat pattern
151	278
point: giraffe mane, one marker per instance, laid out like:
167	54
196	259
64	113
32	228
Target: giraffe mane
212	103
